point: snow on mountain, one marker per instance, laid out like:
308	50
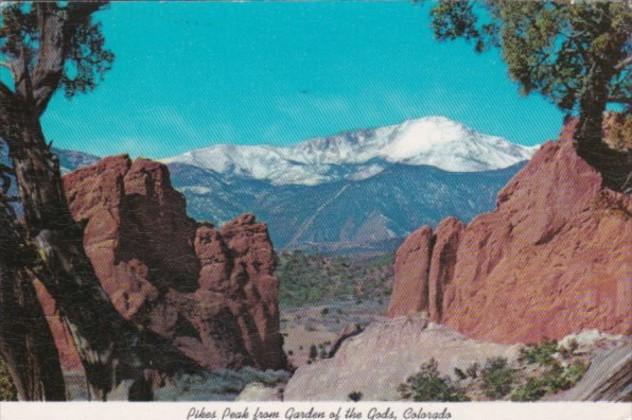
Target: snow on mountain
356	155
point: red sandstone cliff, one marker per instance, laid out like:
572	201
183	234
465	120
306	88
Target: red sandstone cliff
212	292
552	259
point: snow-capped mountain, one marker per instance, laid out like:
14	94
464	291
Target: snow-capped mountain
361	190
361	154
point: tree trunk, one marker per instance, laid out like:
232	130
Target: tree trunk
26	343
614	166
111	349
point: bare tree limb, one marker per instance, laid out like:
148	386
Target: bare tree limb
55	27
621	64
51	54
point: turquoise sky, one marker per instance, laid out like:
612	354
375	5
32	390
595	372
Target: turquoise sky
189	75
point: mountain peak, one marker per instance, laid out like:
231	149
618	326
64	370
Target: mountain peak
434	140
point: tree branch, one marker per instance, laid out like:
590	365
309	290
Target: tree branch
54	29
621	64
5	91
620	100
79	10
50	58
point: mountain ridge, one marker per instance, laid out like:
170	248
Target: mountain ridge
360	154
381	192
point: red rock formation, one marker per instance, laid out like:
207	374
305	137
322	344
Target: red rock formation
412	263
552	259
212	293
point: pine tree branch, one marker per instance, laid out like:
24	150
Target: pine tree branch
621	64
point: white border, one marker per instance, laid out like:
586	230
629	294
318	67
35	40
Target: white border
331	410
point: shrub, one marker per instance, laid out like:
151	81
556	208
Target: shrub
555	379
575	372
498	377
428	385
567	351
541	353
313	352
533	390
459	373
7	389
355	396
472	370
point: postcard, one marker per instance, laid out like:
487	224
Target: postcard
339	210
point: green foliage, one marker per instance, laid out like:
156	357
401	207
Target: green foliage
355	396
460	374
541	353
7	389
472	370
85	58
554	380
533	390
498	378
309	279
313	352
564	50
575	372
428	385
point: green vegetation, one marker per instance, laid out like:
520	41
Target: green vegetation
576	54
541	369
541	353
428	385
472	370
498	378
552	377
553	380
355	396
313	352
309	279
7	389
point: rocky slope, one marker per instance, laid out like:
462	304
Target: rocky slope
395	349
552	259
373	214
211	291
608	379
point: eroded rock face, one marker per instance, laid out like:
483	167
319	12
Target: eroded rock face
412	262
552	259
211	292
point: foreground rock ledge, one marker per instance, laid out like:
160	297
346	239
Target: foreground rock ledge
376	361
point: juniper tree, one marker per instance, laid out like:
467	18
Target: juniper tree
578	54
46	47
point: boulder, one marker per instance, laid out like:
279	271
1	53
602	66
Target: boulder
379	359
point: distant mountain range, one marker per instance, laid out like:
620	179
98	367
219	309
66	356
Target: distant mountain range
361	154
358	191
